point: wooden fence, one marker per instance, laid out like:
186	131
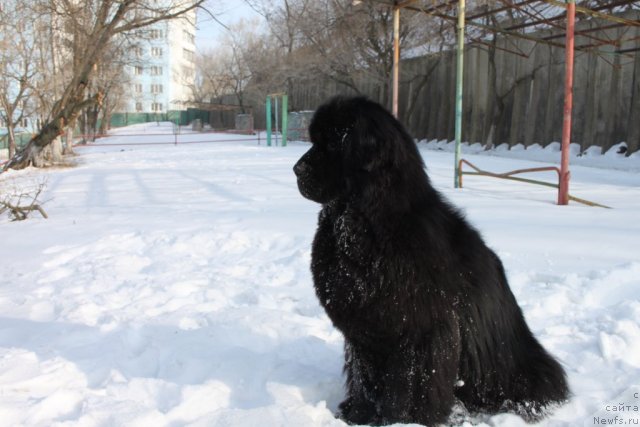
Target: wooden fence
513	92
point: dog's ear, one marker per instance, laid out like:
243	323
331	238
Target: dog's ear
372	140
361	145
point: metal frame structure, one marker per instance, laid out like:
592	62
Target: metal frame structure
275	96
537	15
510	176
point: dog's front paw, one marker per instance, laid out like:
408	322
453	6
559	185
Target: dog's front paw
357	412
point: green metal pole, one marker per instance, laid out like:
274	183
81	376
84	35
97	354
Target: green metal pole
275	115
268	108
285	119
459	85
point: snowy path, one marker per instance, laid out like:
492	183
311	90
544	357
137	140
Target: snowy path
171	287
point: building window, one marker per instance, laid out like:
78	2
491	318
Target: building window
138	87
156	88
188	54
138	70
156	106
137	51
188	72
138	106
156	34
156	71
24	123
156	52
189	37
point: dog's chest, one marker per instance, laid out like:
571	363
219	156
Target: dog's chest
344	262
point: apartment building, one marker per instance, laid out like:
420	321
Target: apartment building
162	69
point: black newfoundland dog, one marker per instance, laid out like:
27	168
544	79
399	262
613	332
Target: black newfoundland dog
424	305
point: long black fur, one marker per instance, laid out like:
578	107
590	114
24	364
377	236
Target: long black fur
424	305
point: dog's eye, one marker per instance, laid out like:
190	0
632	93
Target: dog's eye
336	139
333	147
341	133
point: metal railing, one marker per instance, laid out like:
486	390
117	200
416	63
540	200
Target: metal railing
510	176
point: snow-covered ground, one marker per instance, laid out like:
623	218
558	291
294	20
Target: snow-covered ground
170	286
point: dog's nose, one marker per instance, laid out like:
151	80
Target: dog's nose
298	168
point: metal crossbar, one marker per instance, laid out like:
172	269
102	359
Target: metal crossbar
509	176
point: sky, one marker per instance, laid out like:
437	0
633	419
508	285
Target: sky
209	32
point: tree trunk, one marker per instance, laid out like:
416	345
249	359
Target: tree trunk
82	124
56	150
488	145
68	147
67	113
11	140
494	110
33	153
49	155
92	121
105	112
633	128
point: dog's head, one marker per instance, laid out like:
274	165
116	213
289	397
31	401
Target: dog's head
356	145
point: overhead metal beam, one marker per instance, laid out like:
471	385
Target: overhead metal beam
564	15
440	10
594	13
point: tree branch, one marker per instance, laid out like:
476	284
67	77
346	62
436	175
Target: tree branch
19	211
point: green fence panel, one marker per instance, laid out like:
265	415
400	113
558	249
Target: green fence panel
181	117
22	139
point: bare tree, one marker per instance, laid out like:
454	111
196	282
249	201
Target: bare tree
20	200
111	82
229	68
291	57
18	43
212	78
347	43
96	22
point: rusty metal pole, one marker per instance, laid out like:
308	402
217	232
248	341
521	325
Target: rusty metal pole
563	189
396	59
